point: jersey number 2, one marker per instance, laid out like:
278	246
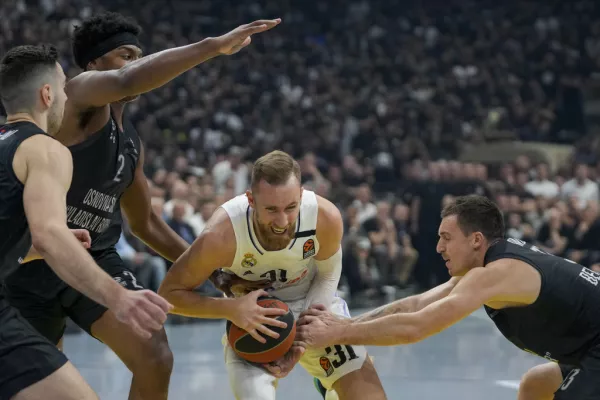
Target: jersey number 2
121	162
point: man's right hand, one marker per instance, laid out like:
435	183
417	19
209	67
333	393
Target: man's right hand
144	311
252	318
232	42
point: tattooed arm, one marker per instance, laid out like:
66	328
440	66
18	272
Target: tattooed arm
410	304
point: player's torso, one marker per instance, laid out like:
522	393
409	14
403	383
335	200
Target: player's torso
292	269
565	320
15	239
103	168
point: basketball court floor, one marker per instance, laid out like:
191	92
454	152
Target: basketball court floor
469	361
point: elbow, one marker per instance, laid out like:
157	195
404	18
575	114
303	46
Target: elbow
165	291
141	228
43	237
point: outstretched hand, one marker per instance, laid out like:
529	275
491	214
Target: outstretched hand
240	37
317	327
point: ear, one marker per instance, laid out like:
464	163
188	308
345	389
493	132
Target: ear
477	241
47	96
250	198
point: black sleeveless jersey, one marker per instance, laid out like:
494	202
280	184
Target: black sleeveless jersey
103	168
564	322
15	239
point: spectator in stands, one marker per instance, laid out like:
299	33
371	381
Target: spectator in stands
581	187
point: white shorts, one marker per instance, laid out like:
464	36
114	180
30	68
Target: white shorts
250	382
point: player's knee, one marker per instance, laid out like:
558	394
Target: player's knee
157	357
540	383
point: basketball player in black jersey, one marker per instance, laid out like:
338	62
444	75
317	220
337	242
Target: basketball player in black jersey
108	175
35	173
545	305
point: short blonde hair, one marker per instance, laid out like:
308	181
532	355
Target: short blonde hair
275	168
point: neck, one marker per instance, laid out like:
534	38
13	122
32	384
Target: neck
26	117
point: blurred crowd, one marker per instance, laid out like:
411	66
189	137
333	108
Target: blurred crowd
376	99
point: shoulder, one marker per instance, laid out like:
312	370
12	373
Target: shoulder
330	226
328	213
218	234
42	148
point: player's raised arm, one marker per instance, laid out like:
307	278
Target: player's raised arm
98	88
213	249
45	168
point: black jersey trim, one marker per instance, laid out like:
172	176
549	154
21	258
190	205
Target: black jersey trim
248	222
297	231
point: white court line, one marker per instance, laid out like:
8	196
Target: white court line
508	384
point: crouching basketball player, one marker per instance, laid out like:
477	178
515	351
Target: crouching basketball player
290	236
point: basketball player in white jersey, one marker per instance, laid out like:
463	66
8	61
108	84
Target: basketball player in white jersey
292	237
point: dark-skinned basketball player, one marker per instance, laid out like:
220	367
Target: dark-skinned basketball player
108	176
544	304
35	174
292	237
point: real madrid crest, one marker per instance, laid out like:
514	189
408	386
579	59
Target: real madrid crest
249	261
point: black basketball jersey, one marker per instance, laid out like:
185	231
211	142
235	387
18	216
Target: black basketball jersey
103	168
564	322
15	239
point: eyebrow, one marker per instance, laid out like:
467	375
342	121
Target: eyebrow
289	205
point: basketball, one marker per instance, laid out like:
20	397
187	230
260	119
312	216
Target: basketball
250	349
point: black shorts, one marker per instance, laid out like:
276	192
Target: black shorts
25	356
47	310
581	382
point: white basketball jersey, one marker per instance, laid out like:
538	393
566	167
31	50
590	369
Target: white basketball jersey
292	269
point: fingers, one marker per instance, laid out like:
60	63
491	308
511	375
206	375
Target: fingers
273	322
273	311
271	23
254	333
320	307
143	333
260	26
258	293
155	312
158	300
267	332
307	319
312	311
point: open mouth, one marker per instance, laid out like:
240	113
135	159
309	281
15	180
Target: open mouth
278	231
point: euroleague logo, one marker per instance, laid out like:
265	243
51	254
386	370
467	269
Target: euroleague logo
326	365
308	250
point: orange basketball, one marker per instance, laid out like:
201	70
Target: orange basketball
250	349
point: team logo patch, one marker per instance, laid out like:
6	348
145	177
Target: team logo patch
249	260
308	250
326	365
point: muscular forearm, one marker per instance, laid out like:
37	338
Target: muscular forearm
410	304
387	331
157	69
405	305
75	266
192	304
159	236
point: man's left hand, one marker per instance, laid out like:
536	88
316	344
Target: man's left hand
318	328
